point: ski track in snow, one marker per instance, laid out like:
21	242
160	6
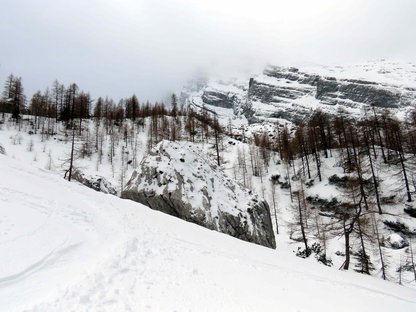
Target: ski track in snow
49	260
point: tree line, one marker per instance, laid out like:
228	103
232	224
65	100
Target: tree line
360	147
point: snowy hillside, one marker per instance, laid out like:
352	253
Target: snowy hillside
381	71
68	248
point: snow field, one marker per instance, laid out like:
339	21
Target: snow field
88	251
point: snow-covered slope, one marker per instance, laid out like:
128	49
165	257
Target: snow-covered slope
65	247
381	71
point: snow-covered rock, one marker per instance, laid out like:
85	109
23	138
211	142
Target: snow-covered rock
395	241
177	178
98	183
292	94
2	150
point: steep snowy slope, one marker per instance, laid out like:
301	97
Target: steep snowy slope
65	247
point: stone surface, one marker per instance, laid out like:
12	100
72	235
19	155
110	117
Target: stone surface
395	241
293	95
98	183
177	178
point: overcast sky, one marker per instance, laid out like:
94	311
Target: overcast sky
150	47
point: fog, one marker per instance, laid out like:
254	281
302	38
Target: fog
152	47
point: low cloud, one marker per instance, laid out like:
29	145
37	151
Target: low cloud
151	47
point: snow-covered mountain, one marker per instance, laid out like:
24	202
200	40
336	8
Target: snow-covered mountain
292	94
65	247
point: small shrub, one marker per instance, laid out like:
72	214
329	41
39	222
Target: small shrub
388	199
410	211
323	204
275	179
310	183
284	185
338	181
317	250
303	252
398	227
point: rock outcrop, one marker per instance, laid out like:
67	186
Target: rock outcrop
95	182
177	178
291	94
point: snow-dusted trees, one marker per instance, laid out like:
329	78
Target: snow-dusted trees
191	124
174	106
301	215
217	129
286	153
132	107
42	107
13	99
58	93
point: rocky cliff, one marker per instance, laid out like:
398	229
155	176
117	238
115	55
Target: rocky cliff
292	94
177	178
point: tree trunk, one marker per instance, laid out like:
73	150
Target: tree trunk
347	233
72	153
374	176
302	227
383	271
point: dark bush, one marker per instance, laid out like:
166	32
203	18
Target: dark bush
323	204
338	181
310	183
316	249
275	179
410	211
398	227
388	199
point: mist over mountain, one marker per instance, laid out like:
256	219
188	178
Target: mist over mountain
151	48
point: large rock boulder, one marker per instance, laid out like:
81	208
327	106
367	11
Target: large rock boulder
179	179
396	241
95	182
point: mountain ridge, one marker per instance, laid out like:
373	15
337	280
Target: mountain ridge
292	94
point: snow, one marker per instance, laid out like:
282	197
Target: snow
65	247
68	248
386	72
284	83
396	241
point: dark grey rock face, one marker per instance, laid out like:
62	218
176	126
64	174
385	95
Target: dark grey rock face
2	150
363	92
219	99
177	179
329	90
96	183
269	93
